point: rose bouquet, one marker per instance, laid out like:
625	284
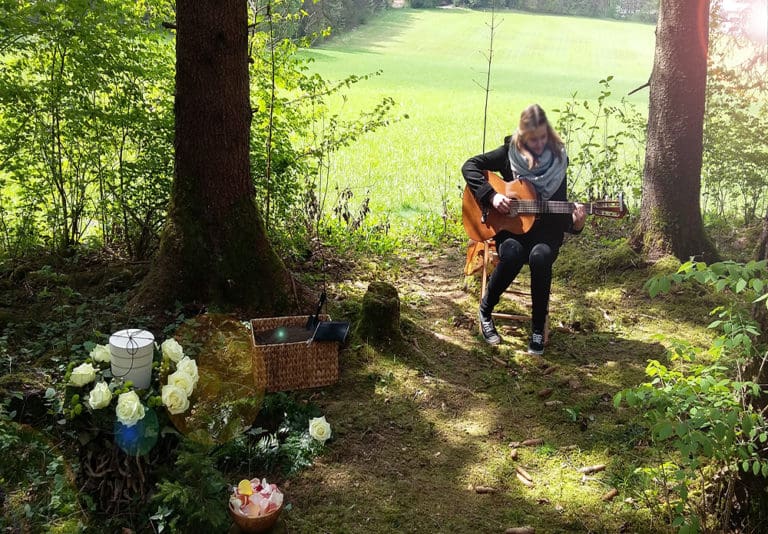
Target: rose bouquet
91	386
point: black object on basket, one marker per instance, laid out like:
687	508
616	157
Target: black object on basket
313	320
330	331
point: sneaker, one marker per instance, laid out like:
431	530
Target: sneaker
536	346
488	329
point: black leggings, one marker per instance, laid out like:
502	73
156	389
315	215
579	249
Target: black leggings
514	252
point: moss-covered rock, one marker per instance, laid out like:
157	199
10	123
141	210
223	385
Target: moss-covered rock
665	265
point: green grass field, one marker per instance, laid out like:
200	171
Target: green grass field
434	64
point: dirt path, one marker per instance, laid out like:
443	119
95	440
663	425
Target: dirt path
417	430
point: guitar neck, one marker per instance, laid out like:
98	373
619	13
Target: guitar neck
548	206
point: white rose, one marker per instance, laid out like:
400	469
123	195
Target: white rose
174	399
319	429
172	350
100	396
82	374
188	367
100	353
182	380
129	409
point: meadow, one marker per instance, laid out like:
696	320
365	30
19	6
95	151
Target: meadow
434	63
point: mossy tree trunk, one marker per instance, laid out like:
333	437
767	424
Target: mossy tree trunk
214	249
670	218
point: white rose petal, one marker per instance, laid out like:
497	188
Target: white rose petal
100	396
100	353
174	399
182	380
129	409
188	367
319	429
172	350
82	374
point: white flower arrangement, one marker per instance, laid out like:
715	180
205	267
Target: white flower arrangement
174	395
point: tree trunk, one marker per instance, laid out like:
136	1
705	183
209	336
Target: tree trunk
670	218
214	250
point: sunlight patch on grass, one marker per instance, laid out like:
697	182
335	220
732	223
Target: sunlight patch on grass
434	78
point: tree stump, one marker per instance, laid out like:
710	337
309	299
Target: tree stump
380	318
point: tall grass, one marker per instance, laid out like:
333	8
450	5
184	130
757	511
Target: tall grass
433	63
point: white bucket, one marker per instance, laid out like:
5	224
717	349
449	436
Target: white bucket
131	354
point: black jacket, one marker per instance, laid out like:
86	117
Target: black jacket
548	227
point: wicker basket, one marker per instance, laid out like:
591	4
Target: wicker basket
255	525
298	365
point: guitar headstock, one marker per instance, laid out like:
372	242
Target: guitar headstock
613	208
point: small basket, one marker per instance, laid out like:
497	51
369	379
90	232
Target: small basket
297	365
255	525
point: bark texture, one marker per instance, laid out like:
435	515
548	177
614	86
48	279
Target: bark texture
214	250
670	220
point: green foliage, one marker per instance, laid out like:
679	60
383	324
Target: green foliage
749	278
285	447
645	10
38	486
734	174
604	143
85	124
698	409
193	495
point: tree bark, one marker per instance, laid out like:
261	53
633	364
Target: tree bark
214	250
670	218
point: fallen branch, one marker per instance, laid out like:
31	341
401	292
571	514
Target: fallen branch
522	472
610	495
500	361
592	469
532	442
520	530
485	489
524	480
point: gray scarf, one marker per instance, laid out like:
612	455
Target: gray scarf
546	177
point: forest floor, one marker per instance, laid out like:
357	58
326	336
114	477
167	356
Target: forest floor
429	434
421	431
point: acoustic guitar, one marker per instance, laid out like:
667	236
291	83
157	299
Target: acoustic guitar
482	226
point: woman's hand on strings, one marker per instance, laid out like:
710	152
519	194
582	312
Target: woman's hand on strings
502	203
579	216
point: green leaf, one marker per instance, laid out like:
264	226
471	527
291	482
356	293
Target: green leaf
741	285
653	287
720	284
664	430
757	285
756	467
746	423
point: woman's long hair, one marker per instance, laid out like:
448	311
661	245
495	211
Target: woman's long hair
531	118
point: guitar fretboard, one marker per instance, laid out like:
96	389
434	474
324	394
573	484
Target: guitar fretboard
546	206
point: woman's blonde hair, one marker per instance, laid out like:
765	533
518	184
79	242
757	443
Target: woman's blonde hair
531	118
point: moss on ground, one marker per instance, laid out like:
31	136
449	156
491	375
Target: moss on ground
418	426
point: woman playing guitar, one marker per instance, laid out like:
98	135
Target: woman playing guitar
534	153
